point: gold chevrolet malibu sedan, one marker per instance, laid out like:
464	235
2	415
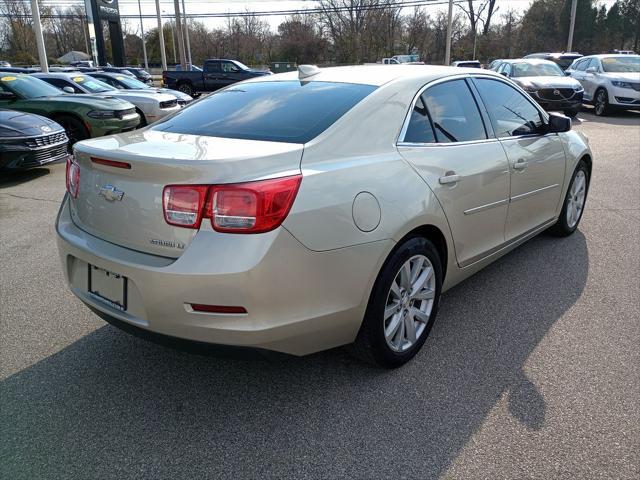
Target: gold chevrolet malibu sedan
307	210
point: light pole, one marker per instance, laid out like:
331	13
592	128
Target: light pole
144	47
186	33
447	53
574	5
37	28
163	54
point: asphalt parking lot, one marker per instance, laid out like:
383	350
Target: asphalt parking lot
532	369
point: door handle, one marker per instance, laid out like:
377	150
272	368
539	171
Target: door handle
449	178
520	164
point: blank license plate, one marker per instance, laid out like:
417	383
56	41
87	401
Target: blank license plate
108	287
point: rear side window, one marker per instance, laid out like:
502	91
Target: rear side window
451	112
420	128
510	111
291	111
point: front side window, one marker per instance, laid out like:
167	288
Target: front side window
510	111
92	85
454	114
285	111
229	67
212	67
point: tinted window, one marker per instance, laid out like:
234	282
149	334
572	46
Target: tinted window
26	86
291	111
212	67
510	111
454	112
229	67
60	83
420	129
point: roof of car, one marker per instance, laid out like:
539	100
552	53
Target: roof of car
609	55
534	61
374	74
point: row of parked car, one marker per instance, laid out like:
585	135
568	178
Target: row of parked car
565	82
43	114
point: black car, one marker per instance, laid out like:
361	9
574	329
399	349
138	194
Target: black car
546	83
18	70
216	74
562	59
28	140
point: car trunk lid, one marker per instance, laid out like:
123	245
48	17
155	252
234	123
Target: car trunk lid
122	178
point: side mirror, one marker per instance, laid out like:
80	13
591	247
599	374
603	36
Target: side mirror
68	89
503	73
592	70
559	123
7	96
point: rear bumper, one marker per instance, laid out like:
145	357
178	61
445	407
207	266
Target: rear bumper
297	301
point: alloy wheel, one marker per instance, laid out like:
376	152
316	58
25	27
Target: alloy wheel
601	102
409	303
576	198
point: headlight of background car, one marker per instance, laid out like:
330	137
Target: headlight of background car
102	114
620	84
578	88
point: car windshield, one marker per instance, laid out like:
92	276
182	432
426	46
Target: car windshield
27	87
536	70
621	64
131	82
288	111
92	85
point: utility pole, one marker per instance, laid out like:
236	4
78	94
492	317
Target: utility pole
186	33
183	61
144	47
574	6
447	54
37	28
163	54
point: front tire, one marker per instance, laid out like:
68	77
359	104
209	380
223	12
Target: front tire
73	127
573	113
601	103
403	305
574	202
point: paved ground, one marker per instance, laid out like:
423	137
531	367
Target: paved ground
532	370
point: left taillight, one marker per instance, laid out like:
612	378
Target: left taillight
73	176
252	207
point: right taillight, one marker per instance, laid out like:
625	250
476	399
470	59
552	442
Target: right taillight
252	207
73	176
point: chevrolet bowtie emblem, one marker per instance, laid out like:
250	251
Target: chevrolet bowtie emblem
110	193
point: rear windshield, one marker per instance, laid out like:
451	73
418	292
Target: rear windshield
288	111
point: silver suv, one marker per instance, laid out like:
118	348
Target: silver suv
610	81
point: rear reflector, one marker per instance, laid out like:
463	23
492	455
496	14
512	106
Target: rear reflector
197	307
111	163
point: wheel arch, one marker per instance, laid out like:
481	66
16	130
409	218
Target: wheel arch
436	236
588	162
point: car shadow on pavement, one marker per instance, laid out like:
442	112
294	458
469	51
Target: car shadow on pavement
113	406
13	179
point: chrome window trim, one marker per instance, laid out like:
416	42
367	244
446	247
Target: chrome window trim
407	117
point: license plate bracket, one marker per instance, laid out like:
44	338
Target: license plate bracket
108	287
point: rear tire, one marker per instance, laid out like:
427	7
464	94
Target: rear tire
601	102
73	127
402	307
574	202
143	120
186	88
